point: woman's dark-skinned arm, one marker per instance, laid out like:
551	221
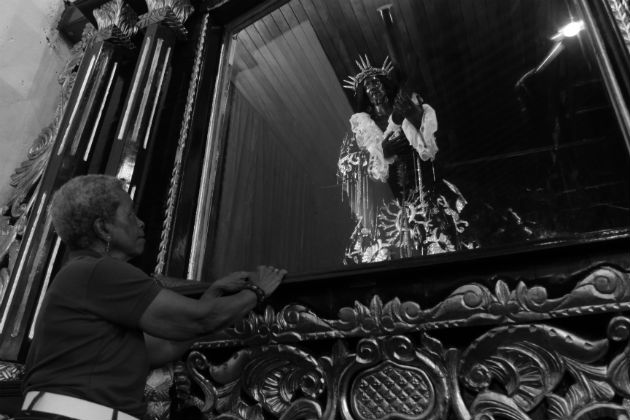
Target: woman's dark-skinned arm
172	316
162	351
173	282
165	350
176	317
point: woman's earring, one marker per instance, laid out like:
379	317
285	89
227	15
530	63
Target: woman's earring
107	246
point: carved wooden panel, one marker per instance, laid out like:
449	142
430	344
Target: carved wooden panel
479	354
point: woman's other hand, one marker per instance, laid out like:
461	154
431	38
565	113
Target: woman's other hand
230	284
268	278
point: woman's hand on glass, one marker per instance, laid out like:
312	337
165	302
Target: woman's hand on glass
232	283
268	278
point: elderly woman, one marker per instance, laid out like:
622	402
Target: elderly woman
104	322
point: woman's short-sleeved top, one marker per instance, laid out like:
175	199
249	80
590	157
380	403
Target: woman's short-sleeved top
88	342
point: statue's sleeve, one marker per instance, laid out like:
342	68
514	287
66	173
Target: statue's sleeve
423	139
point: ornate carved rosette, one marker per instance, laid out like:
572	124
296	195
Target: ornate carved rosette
172	13
391	378
116	22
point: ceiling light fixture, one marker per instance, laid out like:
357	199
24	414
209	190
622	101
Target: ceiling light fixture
569	30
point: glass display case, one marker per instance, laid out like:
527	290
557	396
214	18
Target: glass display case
366	132
447	182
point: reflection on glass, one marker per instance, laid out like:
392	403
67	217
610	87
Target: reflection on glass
463	125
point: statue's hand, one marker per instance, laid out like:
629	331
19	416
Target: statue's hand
394	146
408	107
403	105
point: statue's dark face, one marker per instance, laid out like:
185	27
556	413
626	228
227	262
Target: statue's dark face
375	91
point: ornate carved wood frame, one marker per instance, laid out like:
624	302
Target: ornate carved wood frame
536	333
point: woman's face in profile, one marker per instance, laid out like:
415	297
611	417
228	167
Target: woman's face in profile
127	231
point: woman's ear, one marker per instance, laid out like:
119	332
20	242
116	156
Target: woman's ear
101	229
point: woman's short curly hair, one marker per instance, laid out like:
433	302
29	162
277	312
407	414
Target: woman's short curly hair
79	202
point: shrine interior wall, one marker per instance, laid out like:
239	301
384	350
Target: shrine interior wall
32	54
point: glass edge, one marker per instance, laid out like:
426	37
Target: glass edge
511	251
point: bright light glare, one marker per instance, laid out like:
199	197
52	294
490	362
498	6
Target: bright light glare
572	29
569	30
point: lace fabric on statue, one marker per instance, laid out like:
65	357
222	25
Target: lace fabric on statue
369	137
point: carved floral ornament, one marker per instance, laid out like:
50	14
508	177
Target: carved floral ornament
173	13
118	22
11	371
378	362
600	289
26	178
621	14
522	372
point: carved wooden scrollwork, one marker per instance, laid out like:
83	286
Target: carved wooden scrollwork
157	392
117	22
173	13
271	376
514	372
11	371
599	289
545	368
25	180
621	13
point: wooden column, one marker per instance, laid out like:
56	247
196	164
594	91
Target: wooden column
136	131
179	212
80	142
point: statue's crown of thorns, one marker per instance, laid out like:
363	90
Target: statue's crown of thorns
366	70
